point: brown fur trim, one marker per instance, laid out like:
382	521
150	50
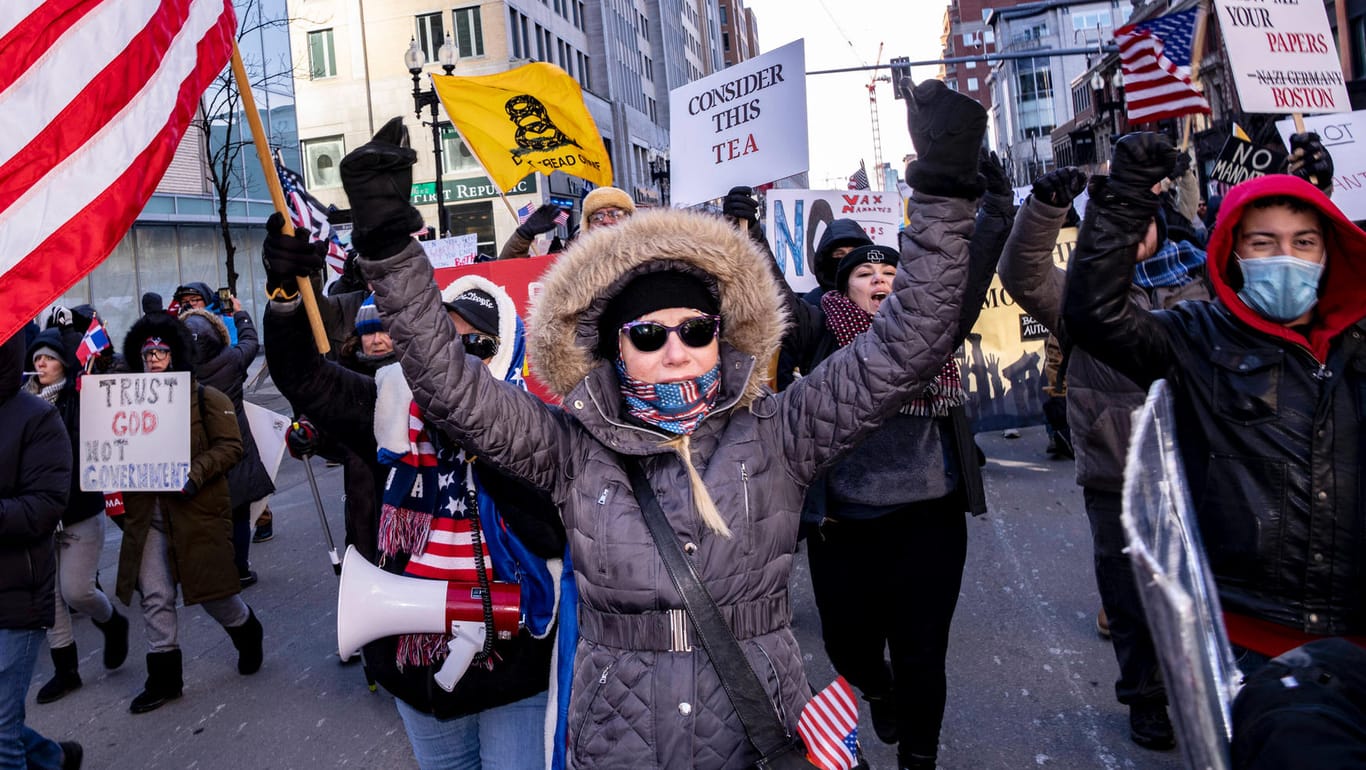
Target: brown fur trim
562	333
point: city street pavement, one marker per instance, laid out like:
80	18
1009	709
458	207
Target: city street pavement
1030	683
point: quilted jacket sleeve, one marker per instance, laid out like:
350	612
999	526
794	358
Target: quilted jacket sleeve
1027	269
505	425
823	415
993	223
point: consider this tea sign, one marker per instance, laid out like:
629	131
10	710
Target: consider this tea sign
135	432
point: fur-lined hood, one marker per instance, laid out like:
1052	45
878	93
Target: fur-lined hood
509	346
562	336
214	320
171	331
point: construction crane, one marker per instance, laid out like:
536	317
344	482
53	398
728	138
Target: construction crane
872	112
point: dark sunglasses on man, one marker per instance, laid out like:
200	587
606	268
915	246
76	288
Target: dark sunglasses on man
480	345
696	332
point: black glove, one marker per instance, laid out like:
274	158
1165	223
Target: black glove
1059	188
1310	161
190	489
947	129
378	178
303	438
542	220
286	257
1183	165
1141	160
740	204
994	171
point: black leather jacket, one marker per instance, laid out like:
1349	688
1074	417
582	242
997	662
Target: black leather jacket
1269	419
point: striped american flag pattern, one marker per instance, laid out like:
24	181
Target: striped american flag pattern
828	727
308	214
1155	57
95	96
449	552
525	212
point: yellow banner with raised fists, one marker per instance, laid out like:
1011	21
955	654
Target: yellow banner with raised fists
527	119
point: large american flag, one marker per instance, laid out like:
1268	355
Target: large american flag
95	96
1155	57
829	727
309	214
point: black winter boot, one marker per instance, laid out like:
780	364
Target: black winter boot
72	754
247	638
165	682
65	676
115	631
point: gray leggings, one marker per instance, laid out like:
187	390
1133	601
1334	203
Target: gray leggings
78	557
158	589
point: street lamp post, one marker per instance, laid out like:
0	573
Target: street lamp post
413	59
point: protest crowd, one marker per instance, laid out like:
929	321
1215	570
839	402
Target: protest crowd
610	486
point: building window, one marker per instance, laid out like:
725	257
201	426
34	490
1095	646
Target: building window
515	38
725	42
322	56
321	160
972	84
430	34
724	17
540	44
469	32
456	158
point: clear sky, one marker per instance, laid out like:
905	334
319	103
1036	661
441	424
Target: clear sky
846	33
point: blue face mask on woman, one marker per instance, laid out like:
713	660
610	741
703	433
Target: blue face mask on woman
1280	288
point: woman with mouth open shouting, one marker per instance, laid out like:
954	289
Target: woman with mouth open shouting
885	526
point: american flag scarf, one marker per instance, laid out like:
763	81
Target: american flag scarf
431	514
846	320
676	407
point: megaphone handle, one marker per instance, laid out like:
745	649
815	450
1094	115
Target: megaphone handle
466	641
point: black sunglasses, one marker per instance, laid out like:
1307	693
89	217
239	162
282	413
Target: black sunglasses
480	345
696	332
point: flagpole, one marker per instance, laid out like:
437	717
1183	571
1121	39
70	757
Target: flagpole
277	193
1197	53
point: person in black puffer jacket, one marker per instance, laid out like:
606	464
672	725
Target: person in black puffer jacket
35	478
80	538
224	366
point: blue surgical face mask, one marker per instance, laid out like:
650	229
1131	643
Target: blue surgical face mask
1280	288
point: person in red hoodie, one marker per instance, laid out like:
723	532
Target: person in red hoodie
1269	382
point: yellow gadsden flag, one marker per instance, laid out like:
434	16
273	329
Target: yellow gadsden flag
531	118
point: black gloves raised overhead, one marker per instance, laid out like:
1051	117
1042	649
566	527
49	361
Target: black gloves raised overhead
378	178
994	172
1311	161
542	220
1059	188
947	129
739	204
286	257
1141	160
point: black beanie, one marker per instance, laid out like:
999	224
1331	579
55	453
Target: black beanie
478	308
647	293
882	255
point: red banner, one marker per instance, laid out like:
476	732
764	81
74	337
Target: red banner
520	278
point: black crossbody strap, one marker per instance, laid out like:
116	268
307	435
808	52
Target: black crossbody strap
742	685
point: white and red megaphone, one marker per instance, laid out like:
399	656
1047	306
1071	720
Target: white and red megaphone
372	603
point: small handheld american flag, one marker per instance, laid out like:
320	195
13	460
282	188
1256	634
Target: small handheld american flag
828	727
308	213
525	212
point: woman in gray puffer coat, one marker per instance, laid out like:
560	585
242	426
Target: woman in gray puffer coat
728	459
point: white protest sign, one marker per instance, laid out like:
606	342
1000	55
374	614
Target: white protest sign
797	219
744	125
135	432
452	252
1283	56
1344	136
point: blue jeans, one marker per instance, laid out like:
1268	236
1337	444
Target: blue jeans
21	747
510	737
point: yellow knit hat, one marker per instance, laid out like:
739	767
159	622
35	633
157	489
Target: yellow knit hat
605	198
